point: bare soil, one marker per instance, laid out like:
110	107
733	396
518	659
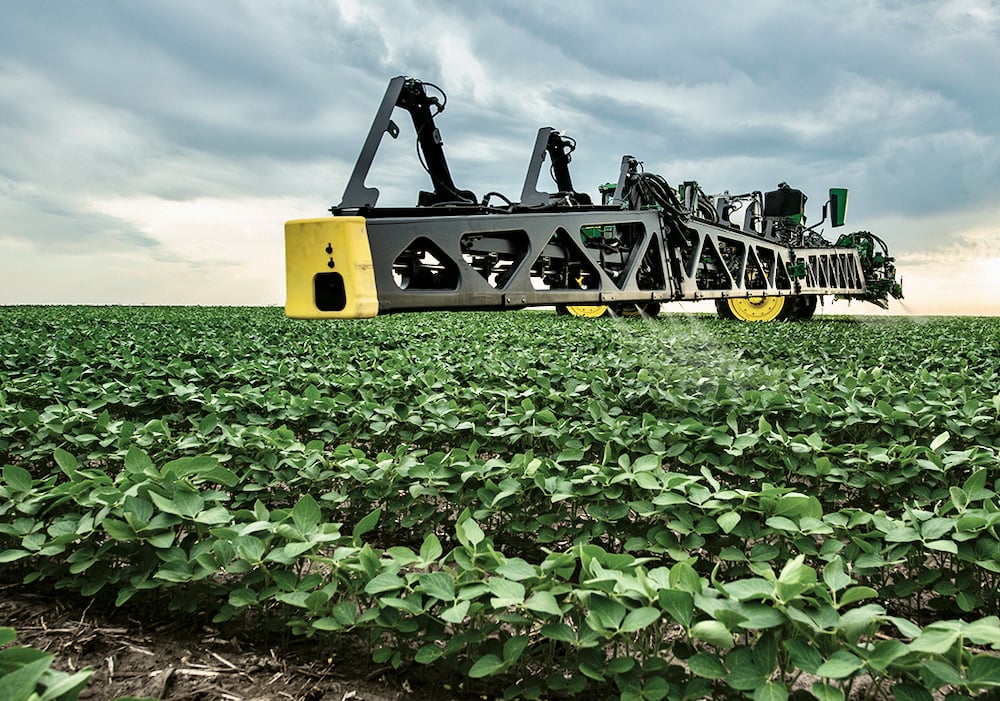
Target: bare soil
151	654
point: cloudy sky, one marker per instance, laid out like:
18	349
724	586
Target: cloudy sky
150	151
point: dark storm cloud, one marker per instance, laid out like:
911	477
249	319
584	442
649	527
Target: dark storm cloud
894	93
210	77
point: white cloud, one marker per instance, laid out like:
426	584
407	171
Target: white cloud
155	136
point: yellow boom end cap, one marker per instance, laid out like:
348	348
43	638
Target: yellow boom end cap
328	269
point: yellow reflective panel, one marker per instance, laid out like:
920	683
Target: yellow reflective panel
328	269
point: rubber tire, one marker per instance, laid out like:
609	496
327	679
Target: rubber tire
567	310
723	310
803	307
647	310
724	306
797	308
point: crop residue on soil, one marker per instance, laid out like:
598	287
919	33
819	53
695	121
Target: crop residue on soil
171	659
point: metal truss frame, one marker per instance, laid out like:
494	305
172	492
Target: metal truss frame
668	260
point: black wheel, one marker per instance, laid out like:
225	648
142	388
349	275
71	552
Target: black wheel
723	310
643	310
775	308
803	307
790	308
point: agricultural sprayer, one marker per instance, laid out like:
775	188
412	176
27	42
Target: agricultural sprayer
643	244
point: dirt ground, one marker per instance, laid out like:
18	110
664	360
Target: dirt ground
144	655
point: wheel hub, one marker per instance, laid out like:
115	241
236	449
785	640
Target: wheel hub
757	308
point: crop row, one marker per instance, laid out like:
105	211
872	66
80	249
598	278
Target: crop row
681	629
674	509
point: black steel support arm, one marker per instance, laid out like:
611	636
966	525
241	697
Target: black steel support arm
408	94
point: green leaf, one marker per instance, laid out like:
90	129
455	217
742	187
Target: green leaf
249	548
706	666
543	602
176	572
940	672
118	530
570	455
750	588
306	514
517	569
984	670
428	654
910	692
714	633
796	578
208	424
985	631
976	482
620	665
834	575
902	534
385	582
676	449
591	663
327	623
728	521
683	577
679	604
430	549
189	503
22	682
439	585
505	592
214	516
745	672
345	613
559	631
138	512
639	618
855	594
947	546
782	523
940	440
382	655
840	665
164	503
771	691
755	616
18	478
12	555
936	641
824	692
546	416
469	533
457	613
7	635
646	463
241	598
934	528
485	666
137	461
514	647
365	525
65	686
605	614
906	628
67	462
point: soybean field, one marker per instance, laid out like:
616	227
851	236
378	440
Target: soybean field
520	504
